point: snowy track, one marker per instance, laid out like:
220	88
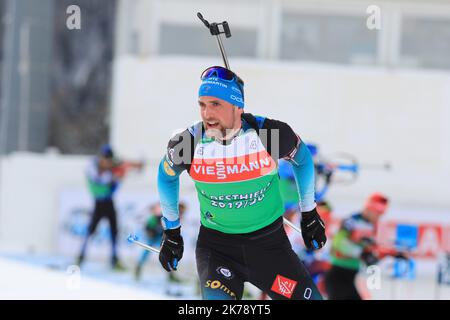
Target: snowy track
19	280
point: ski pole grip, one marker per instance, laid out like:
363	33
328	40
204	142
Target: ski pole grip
226	29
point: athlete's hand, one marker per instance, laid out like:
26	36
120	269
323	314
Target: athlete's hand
369	257
313	230
401	256
171	249
367	242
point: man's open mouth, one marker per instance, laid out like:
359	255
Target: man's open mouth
212	125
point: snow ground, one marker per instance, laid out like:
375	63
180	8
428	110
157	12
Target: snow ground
50	277
55	278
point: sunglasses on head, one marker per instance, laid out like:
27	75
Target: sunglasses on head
223	74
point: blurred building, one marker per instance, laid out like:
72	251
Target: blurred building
81	77
412	33
54	84
26	34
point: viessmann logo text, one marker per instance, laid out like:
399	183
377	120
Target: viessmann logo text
237	168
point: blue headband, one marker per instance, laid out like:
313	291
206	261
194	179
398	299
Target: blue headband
222	89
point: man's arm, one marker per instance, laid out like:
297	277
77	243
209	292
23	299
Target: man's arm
342	243
313	227
169	171
348	243
303	168
172	246
168	189
291	148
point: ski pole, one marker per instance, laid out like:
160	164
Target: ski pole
222	51
215	31
293	226
134	239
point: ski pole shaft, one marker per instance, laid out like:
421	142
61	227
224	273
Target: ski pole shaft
374	166
222	51
293	226
133	239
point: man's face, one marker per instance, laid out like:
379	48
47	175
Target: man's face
106	163
374	209
374	216
219	115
